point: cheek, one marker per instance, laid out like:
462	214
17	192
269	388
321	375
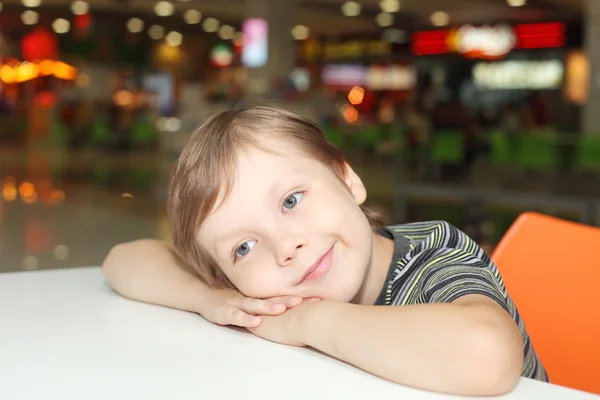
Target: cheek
259	282
338	211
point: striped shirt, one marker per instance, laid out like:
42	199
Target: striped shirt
434	262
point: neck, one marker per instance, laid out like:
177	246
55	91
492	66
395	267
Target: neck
383	251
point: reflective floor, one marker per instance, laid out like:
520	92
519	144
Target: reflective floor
61	209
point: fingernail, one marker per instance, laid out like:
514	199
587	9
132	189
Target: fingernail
254	320
278	307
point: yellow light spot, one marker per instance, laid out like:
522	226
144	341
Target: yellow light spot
356	95
8	74
30	199
350	113
57	196
61	252
30	263
9	192
26	189
123	98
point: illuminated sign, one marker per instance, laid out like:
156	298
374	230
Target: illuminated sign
394	77
26	71
483	42
344	75
489	42
389	77
546	74
255	51
313	50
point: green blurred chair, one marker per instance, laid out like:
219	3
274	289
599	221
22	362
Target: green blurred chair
588	154
500	152
143	133
368	137
101	134
538	153
334	135
447	148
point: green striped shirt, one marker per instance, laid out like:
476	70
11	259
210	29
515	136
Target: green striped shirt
434	262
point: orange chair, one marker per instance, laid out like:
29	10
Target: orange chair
551	269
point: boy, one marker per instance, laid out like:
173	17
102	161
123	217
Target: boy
261	203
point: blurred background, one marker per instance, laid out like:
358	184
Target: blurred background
470	111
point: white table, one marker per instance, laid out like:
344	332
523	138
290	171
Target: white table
64	334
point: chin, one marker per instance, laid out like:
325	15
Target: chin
344	293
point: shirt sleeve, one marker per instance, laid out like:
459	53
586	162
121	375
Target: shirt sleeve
458	274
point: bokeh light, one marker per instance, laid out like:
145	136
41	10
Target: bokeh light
356	95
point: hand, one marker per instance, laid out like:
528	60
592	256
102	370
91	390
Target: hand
229	307
285	328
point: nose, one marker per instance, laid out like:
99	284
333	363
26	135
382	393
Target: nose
288	249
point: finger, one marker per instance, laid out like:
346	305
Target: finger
289	301
239	318
257	306
312	299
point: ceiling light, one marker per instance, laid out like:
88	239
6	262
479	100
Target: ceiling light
226	32
156	32
351	9
30	17
61	25
384	19
390	6
80	7
135	25
440	18
516	3
31	3
300	32
211	24
394	35
174	38
192	17
164	8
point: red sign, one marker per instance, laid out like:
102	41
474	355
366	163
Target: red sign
489	42
41	44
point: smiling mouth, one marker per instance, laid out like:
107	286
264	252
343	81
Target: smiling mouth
320	267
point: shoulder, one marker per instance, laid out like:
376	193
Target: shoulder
435	234
444	263
440	247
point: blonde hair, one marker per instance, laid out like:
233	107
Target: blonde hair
205	173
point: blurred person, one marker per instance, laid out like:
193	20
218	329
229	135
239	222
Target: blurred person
539	110
418	136
270	233
512	125
475	145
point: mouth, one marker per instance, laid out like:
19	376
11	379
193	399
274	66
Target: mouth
320	267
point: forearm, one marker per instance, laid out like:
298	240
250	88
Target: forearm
437	347
150	271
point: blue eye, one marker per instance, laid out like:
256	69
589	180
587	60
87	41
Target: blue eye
244	249
291	201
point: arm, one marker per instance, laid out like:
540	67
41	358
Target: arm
151	271
468	347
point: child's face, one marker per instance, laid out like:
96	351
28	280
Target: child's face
284	215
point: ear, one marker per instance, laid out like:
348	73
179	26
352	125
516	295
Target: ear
355	185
